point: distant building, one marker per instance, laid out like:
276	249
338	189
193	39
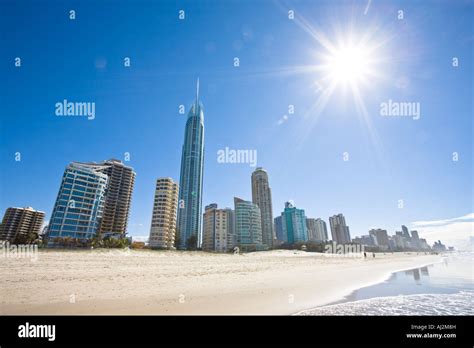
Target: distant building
438	246
339	230
367	240
218	233
280	233
294	224
321	230
381	238
163	221
415	239
248	225
21	225
262	196
405	232
317	231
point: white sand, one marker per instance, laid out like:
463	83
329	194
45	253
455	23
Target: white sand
165	282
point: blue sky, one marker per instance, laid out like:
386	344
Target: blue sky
137	107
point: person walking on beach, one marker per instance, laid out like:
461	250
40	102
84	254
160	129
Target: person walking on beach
365	255
373	255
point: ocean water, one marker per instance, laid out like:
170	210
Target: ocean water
444	288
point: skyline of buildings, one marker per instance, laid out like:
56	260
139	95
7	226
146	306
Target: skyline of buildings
94	200
191	177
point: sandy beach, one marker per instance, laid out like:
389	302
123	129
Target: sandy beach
169	282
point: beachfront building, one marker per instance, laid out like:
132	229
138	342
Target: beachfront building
21	225
279	232
80	202
317	231
190	182
118	197
262	197
381	238
163	221
218	233
248	225
294	224
339	230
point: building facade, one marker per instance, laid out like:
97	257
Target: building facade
294	224
21	225
381	238
163	221
80	202
339	230
262	196
218	234
280	233
317	230
191	177
248	225
118	197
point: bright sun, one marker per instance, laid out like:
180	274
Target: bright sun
348	64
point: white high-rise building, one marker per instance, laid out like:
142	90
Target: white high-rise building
163	222
218	231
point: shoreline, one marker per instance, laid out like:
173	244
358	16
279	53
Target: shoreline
146	282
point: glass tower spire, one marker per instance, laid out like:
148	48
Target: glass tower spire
190	182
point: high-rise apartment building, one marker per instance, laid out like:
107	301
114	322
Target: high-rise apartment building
248	225
262	196
118	197
163	221
218	234
21	225
294	224
80	202
190	182
317	231
381	238
279	231
339	230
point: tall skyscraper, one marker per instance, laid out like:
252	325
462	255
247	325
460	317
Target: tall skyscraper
294	224
163	221
339	230
317	231
248	225
262	196
218	234
118	197
190	183
21	225
80	202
